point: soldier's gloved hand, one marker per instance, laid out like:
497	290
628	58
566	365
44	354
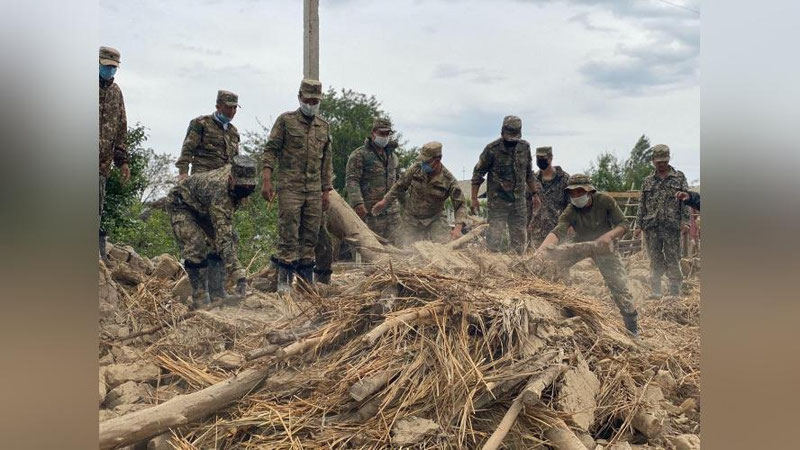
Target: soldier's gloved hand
379	207
241	287
361	210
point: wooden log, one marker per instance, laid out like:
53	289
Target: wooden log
395	321
463	240
562	438
494	441
345	224
368	386
261	352
532	393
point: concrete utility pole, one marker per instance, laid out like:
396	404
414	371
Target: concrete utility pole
311	39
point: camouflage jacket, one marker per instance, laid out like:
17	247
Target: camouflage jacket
206	195
658	207
427	195
207	145
509	171
113	127
370	175
301	147
554	200
591	222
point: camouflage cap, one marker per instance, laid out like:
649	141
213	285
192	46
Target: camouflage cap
310	88
430	150
243	169
660	153
109	56
512	127
227	98
544	151
382	123
579	180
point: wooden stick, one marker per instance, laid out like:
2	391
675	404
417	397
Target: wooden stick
392	322
562	438
463	240
261	352
532	393
368	386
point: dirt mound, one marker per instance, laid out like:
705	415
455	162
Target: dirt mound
439	349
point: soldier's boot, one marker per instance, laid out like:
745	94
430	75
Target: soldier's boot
631	323
216	278
305	270
198	278
323	276
655	286
675	288
285	274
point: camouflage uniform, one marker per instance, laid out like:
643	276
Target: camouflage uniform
660	217
554	200
209	144
591	222
510	171
113	128
370	174
323	252
423	216
201	213
301	147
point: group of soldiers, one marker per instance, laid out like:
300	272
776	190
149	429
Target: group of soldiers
533	208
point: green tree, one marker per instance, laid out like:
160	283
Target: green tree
639	164
607	173
612	175
121	197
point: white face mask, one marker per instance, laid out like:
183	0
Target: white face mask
309	110
380	141
579	202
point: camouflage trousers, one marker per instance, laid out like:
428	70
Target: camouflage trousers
511	215
616	278
195	237
102	200
299	220
664	248
413	229
384	225
323	252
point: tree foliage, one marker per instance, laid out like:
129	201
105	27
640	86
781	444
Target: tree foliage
610	174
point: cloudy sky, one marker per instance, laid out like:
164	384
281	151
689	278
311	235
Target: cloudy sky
585	76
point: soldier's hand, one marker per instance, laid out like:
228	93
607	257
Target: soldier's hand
361	210
182	176
456	233
681	195
125	170
476	206
326	198
379	207
267	192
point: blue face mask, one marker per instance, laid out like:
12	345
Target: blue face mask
107	72
223	118
427	168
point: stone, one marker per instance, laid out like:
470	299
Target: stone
619	446
128	256
125	354
129	393
252	303
125	274
228	360
107	288
578	394
103	391
106	359
141	371
411	430
685	442
160	442
665	379
586	439
182	289
167	267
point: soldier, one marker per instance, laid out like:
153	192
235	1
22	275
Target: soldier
596	217
663	217
372	169
211	140
508	162
553	181
300	144
201	213
113	130
429	184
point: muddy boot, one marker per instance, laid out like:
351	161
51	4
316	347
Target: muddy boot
655	285
675	288
198	278
306	272
632	323
216	278
285	274
322	276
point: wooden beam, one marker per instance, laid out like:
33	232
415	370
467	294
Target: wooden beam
311	39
